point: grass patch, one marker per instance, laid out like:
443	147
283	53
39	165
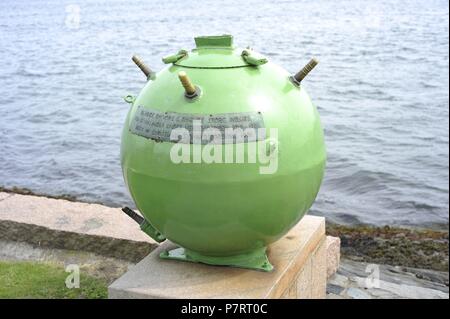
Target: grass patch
43	280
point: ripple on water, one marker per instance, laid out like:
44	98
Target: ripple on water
381	89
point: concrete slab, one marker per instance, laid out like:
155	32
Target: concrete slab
371	281
293	256
4	195
319	271
77	217
62	224
333	245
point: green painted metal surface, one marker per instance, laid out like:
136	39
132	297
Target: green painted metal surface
147	228
220	211
255	259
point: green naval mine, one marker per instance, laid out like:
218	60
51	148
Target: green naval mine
222	152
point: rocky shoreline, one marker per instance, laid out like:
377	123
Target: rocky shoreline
396	246
406	247
359	280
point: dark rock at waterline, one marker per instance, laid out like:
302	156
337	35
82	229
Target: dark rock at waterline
408	247
26	191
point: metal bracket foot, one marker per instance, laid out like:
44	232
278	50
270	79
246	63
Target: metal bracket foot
256	259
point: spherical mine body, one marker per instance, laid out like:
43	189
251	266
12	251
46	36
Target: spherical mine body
223	207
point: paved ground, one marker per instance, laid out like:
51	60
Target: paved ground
356	280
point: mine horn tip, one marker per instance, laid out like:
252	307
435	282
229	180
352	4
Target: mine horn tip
189	87
141	65
300	75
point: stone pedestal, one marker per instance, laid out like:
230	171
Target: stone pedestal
299	258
